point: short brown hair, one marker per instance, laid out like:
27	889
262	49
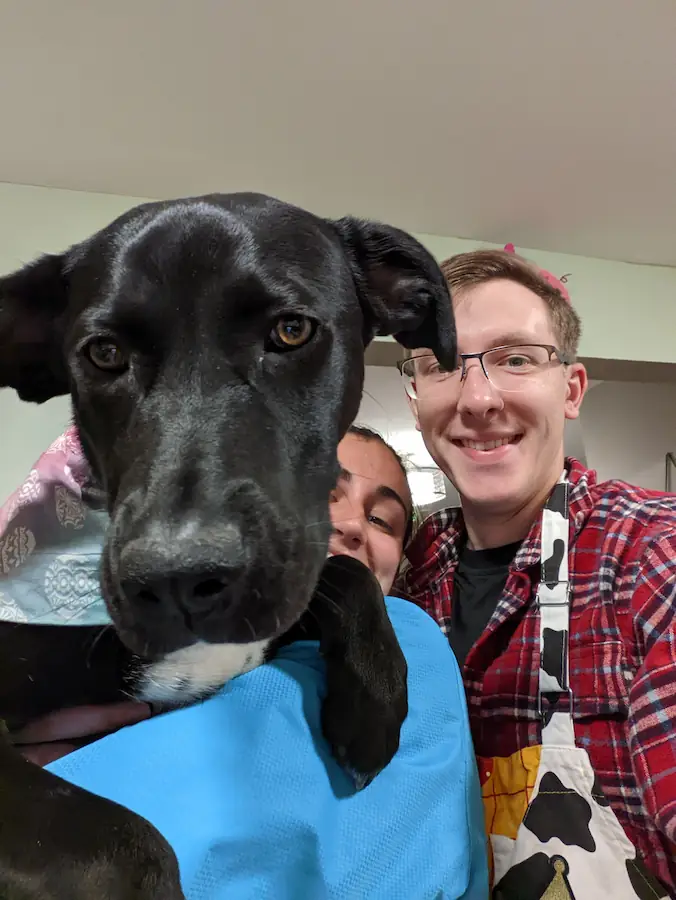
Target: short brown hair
479	266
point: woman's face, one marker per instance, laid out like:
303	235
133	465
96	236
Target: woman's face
370	507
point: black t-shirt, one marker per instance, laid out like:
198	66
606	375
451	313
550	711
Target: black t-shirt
478	585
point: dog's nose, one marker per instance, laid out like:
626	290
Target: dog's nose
201	572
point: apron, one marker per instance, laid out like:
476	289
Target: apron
552	833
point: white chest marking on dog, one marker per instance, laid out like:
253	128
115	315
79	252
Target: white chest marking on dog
197	671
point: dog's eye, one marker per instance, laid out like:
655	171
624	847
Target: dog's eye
106	355
291	332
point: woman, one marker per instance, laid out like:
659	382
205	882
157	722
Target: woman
371	508
244	786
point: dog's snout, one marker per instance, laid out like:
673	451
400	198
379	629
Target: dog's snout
227	574
192	594
201	573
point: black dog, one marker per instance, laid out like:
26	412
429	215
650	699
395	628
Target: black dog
214	352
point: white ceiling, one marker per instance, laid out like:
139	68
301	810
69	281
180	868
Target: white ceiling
552	125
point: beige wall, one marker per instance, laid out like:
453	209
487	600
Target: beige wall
26	430
628	429
624	431
35	220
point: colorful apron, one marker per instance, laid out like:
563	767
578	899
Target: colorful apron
552	833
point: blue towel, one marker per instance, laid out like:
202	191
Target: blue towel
245	789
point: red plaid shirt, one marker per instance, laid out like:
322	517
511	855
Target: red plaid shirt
622	648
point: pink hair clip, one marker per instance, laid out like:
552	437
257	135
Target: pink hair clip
555	282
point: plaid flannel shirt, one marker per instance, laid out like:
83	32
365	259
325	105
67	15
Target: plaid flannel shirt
622	648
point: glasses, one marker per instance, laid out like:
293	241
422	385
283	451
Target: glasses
509	368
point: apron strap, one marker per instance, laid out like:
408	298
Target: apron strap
555	699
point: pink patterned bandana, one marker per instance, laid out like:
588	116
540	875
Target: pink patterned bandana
555	282
50	543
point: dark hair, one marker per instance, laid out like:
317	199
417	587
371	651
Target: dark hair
368	434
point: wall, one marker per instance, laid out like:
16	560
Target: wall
637	420
26	430
628	428
384	407
624	431
35	219
628	311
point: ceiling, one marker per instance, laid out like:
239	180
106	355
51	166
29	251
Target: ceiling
551	125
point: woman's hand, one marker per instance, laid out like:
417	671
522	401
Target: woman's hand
63	731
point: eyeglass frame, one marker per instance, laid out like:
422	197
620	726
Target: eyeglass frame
563	358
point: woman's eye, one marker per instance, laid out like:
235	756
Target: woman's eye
381	523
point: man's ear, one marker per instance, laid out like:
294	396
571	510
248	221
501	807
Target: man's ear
33	304
401	288
577	382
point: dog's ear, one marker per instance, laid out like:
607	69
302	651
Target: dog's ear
33	304
401	288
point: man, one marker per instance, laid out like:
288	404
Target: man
571	693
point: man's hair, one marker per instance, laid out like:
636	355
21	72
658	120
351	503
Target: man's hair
466	270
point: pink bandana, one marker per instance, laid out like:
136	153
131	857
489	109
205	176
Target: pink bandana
552	279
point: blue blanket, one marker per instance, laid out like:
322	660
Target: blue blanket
246	791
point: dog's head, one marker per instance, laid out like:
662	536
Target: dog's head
214	352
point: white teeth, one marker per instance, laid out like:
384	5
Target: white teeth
486	445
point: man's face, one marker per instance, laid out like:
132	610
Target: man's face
460	421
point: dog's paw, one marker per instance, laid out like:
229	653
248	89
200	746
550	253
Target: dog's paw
363	712
366	674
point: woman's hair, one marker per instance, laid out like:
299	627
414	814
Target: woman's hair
368	434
